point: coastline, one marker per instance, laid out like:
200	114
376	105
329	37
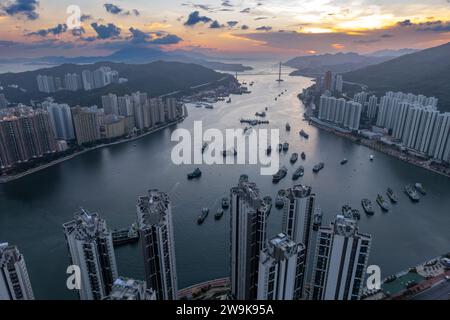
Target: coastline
6	179
374	146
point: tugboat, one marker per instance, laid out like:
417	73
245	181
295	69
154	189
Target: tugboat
344	161
304	134
382	203
219	214
285	146
202	217
294	158
288	127
318	167
279	201
303	155
280	147
225	203
420	188
195	174
269	150
368	207
277	177
412	193
298	173
391	195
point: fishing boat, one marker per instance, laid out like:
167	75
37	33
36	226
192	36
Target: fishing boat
298	173
294	158
344	161
225	203
279	201
318	167
203	215
391	195
367	206
279	175
382	203
304	134
219	214
419	187
412	193
197	173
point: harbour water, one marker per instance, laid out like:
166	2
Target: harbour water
109	181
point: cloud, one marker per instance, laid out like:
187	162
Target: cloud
227	3
78	32
21	8
261	18
215	25
231	24
366	41
264	28
85	17
246	10
432	26
244	27
195	17
167	39
113	9
60	28
106	31
157	38
387	35
405	23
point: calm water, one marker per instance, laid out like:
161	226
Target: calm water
109	181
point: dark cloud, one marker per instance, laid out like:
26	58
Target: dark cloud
78	32
231	24
195	17
387	35
106	31
216	25
113	9
60	28
366	41
21	8
227	3
244	27
261	18
157	38
432	26
246	10
85	17
405	23
264	28
167	39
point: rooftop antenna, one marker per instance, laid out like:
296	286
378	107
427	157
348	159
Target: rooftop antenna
279	74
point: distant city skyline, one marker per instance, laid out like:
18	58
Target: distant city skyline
34	28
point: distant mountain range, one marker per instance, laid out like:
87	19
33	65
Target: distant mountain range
424	72
338	63
136	55
155	78
392	53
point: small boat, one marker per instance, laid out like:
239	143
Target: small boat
219	214
412	193
382	203
367	206
279	201
346	210
280	147
260	114
304	134
344	161
229	100
197	173
288	127
276	99
202	217
419	187
303	155
279	175
208	106
391	195
225	203
294	158
318	167
269	150
285	146
371	157
298	173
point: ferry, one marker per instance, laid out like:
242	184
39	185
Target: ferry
391	195
285	146
225	203
304	134
219	214
195	174
382	203
412	193
288	127
202	217
367	206
294	158
279	201
303	155
318	167
419	187
344	161
298	173
279	175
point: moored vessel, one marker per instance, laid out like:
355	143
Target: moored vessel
391	195
318	167
412	193
298	173
294	158
279	201
279	175
367	206
197	173
203	215
382	203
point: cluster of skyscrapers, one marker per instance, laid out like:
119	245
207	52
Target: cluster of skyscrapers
343	113
3	101
88	80
329	82
300	262
27	133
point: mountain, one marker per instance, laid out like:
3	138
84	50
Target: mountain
392	53
425	72
137	55
155	78
338	63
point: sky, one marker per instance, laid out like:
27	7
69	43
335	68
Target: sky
31	28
